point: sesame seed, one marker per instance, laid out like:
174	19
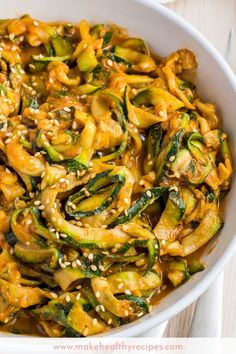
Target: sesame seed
101	267
11	250
125	227
28	222
74	265
126	313
78	287
86	192
126	200
54	219
41	207
27	243
54	295
149	194
37	202
67	263
93	267
127	292
97	308
78	296
74	125
7	170
95	321
9	134
67	298
109	321
109	62
120	286
11	37
90	256
162	114
83	96
63	235
8	141
35	23
172	158
67	109
140	314
78	262
97	294
102	308
31	194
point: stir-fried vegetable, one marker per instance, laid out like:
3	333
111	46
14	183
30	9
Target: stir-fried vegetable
112	173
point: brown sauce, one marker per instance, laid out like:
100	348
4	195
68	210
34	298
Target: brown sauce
22	324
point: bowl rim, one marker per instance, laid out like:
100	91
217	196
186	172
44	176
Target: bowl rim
136	328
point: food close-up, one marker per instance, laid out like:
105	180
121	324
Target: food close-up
113	174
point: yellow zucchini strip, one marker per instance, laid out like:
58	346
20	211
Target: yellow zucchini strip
105	297
22	161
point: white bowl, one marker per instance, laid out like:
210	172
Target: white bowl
165	32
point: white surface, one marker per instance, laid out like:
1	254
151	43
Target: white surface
166	33
208	313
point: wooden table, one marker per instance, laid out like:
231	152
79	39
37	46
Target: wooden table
214	19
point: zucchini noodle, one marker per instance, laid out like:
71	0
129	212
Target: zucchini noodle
112	173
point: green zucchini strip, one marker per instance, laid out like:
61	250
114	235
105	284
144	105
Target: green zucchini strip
101	287
166	229
101	198
95	237
146	198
